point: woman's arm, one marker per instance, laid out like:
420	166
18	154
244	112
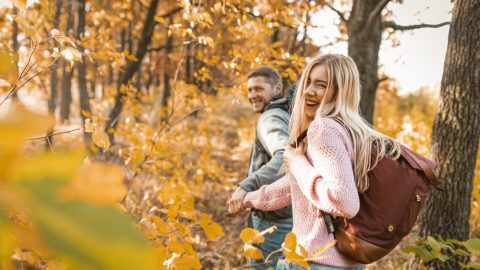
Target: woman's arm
270	197
328	182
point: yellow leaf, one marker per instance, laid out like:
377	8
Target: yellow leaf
89	126
8	68
130	56
321	249
252	252
86	113
251	236
217	8
99	183
290	242
296	258
303	252
55	33
211	228
100	138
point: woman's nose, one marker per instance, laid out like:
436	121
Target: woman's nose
309	91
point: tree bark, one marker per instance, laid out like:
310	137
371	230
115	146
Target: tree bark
364	38
81	68
167	67
132	67
456	131
15	45
52	102
67	76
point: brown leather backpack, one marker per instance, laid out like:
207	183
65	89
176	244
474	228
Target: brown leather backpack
389	208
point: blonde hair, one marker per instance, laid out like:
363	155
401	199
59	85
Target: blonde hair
343	78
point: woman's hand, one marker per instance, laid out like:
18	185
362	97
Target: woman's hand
291	153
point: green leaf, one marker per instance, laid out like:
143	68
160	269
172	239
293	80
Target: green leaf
433	243
473	245
85	236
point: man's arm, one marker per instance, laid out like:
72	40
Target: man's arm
272	131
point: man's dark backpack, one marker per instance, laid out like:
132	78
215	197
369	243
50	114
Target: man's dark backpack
389	208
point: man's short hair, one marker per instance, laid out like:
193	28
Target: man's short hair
271	75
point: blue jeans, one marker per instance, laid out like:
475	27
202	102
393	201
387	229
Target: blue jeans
273	241
286	265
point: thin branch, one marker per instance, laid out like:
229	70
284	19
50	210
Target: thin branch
163	47
394	26
383	79
51	135
28	62
15	87
376	12
171	12
340	14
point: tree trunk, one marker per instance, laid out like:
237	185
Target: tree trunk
364	38
166	69
15	44
52	102
67	76
81	68
456	131
132	67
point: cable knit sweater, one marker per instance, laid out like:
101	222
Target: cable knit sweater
322	179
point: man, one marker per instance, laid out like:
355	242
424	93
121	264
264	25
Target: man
265	91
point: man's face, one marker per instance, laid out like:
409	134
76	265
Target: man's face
260	92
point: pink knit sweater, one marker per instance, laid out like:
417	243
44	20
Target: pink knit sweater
323	179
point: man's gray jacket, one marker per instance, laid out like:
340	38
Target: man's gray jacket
267	153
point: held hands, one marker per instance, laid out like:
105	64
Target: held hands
235	203
291	153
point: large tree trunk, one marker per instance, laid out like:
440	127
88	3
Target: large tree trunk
364	38
456	131
132	67
81	68
66	100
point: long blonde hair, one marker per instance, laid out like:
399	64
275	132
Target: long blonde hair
343	78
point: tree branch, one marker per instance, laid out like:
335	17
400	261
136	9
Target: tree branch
376	12
53	134
394	26
340	14
171	12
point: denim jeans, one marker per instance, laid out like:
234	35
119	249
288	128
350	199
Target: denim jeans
286	265
273	241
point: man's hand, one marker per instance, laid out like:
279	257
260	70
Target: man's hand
235	203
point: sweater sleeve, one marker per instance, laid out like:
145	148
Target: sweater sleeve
270	197
328	181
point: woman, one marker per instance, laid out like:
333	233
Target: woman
326	172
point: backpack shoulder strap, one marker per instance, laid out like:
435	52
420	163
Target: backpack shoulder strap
425	168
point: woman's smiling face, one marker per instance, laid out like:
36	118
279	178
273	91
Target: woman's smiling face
316	90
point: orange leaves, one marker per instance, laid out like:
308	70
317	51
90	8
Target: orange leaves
99	137
251	236
211	228
290	248
252	252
